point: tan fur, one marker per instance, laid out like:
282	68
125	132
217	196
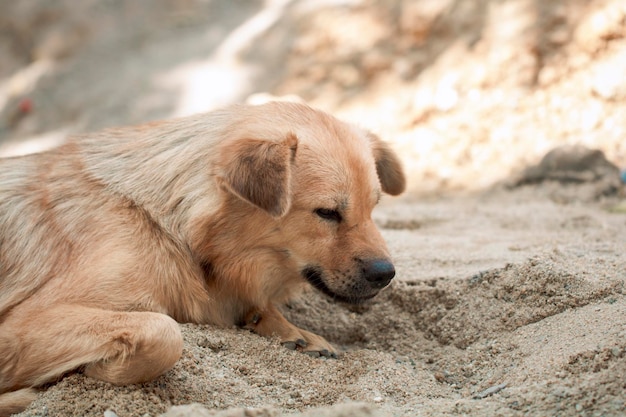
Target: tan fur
109	240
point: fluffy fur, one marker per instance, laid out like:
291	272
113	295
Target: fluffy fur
109	240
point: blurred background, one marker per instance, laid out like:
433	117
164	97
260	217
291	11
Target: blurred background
469	91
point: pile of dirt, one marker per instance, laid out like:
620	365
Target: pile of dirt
547	332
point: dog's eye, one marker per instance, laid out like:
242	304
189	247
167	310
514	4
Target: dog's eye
328	214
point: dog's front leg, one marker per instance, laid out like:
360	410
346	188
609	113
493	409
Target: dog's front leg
269	322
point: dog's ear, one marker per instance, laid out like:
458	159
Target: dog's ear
388	166
259	171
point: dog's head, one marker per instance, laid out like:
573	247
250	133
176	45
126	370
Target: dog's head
320	179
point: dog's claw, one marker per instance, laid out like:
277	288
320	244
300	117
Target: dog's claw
251	321
293	345
290	345
300	344
256	318
324	353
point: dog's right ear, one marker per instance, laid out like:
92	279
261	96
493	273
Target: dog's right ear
388	166
259	172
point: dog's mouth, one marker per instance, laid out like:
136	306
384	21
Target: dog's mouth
314	277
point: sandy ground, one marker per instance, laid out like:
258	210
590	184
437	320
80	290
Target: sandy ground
508	300
503	289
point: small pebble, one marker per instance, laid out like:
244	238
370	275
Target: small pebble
489	391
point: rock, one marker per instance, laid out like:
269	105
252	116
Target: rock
574	165
571	163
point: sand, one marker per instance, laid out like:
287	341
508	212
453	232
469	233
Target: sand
498	290
510	294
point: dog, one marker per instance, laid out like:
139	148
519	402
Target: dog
110	240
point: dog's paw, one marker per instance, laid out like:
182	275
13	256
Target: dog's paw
270	323
312	345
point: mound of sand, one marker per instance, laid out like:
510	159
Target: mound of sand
502	305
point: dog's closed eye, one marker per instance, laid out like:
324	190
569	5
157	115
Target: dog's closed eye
329	214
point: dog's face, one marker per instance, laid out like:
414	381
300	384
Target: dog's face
320	186
331	233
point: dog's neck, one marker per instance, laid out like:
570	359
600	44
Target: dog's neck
244	246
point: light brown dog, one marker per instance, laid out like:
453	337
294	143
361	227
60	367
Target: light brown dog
112	238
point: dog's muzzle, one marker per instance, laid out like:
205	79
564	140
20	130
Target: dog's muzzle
370	277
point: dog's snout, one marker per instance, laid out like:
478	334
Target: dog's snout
378	272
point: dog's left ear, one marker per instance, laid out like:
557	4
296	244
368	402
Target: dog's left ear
388	166
259	171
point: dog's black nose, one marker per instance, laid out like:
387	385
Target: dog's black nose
378	272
